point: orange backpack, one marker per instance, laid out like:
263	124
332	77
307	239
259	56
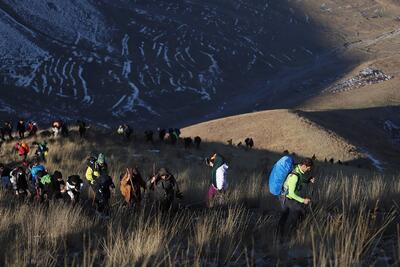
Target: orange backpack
25	147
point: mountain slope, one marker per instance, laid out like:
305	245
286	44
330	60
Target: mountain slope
150	61
277	131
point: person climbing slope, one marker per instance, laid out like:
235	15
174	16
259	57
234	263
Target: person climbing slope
96	167
23	150
164	189
292	203
218	181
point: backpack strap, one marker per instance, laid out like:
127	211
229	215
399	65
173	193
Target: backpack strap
283	190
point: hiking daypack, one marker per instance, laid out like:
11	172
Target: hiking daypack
25	147
43	148
278	175
120	130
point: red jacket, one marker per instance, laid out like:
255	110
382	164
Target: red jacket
23	149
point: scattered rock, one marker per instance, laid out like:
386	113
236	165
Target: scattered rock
365	77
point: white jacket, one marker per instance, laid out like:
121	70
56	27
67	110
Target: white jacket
221	175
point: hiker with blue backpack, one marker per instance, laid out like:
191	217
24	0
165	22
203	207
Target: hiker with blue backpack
287	181
35	169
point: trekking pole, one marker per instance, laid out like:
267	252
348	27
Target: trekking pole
130	179
94	195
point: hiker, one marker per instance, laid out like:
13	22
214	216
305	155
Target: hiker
125	131
56	128
56	189
6	130
21	129
161	134
64	129
19	183
130	185
197	142
5	176
22	149
81	128
164	189
187	141
43	185
249	142
32	128
292	204
73	188
41	151
103	187
173	135
36	167
120	130
218	182
96	167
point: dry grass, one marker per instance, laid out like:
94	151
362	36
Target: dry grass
352	215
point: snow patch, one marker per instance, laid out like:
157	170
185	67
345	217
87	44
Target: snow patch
375	162
86	98
125	47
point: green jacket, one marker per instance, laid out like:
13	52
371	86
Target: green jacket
45	179
294	184
218	162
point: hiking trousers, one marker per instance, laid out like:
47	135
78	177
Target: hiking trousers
292	213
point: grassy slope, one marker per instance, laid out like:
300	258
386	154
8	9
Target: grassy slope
59	234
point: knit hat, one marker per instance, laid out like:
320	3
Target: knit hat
57	175
101	159
163	171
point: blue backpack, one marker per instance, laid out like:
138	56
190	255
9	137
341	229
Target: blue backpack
278	175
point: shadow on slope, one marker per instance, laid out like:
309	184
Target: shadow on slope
375	131
208	58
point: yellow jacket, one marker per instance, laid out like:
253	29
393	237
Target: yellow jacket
91	175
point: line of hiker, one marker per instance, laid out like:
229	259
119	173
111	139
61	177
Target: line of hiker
161	188
170	136
34	182
28	129
60	128
22	128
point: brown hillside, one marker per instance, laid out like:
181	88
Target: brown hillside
277	131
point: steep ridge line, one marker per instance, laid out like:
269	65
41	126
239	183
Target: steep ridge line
278	130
